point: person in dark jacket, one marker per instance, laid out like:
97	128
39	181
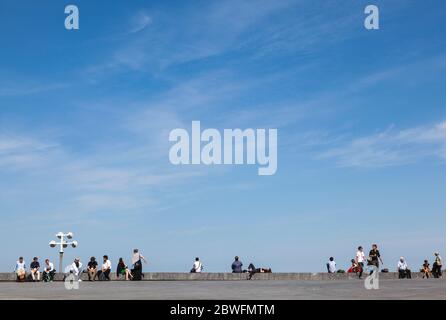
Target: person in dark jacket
237	265
253	270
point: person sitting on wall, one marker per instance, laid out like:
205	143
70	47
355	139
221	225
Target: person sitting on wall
403	269
20	270
48	271
76	269
197	267
354	268
104	273
35	267
237	265
123	270
331	265
92	269
425	269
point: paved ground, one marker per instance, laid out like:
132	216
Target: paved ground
339	289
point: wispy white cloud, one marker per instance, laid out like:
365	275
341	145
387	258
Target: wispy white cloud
18	151
106	180
140	21
392	147
21	89
222	27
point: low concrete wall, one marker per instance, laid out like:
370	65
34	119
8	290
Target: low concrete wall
217	276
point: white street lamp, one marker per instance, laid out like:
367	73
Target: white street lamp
63	244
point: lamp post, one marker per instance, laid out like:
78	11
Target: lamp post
63	243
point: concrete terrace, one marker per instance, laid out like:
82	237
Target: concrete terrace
220	286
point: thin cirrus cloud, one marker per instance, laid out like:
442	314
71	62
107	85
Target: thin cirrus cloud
392	147
140	22
12	90
216	29
90	182
17	151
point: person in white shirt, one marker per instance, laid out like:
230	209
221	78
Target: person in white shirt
104	273
137	260
403	269
76	268
48	271
197	267
331	265
20	269
360	259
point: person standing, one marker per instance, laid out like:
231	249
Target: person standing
359	259
137	259
35	266
92	269
331	265
437	265
374	257
237	265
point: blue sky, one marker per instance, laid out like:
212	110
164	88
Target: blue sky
85	117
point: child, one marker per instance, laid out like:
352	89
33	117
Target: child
425	269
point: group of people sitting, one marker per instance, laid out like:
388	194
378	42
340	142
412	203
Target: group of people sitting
75	269
48	270
103	274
